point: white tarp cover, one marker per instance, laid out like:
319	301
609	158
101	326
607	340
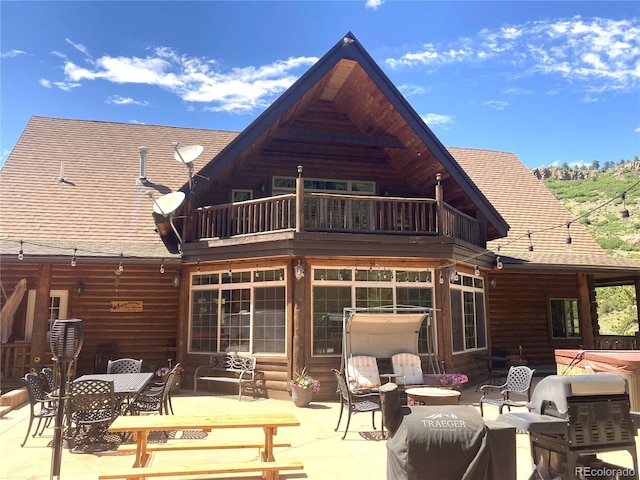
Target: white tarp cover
382	334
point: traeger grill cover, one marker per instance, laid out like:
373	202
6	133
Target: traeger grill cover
445	442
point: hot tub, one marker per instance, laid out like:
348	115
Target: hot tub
624	362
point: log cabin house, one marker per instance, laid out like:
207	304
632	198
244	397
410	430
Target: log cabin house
338	195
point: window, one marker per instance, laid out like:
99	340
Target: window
564	318
58	301
241	311
334	289
468	324
241	195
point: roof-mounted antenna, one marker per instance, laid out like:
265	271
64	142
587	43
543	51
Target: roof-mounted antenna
186	155
166	205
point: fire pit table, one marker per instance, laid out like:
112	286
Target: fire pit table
432	396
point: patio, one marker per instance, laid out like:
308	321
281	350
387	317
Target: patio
324	454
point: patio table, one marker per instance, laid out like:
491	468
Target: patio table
126	386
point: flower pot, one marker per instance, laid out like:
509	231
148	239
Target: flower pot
300	396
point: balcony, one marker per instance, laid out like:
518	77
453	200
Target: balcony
324	212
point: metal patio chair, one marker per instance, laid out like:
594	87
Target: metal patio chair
40	405
49	377
518	382
157	397
355	403
93	407
124	365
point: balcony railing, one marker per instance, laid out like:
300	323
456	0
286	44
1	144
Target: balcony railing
324	212
615	342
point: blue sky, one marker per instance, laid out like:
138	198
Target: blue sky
552	82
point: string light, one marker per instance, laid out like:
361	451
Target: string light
162	267
73	259
624	212
568	240
499	264
476	271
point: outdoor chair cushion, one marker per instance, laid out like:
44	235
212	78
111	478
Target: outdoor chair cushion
409	366
363	372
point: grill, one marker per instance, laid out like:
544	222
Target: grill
573	418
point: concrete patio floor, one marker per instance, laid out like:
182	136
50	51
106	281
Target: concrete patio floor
362	455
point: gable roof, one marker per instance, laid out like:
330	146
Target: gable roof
347	81
99	208
529	207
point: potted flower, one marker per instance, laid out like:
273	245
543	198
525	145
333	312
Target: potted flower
303	386
177	379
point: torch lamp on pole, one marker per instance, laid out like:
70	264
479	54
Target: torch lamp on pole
66	341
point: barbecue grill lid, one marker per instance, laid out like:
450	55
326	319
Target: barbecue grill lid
550	395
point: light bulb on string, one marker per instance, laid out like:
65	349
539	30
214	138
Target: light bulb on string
624	213
120	267
162	268
73	259
21	253
440	279
499	264
530	244
476	271
568	240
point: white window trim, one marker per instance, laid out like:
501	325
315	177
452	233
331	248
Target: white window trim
31	308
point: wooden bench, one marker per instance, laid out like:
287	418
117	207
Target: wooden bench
199	445
270	470
229	367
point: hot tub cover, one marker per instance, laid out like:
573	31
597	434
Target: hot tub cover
439	442
626	362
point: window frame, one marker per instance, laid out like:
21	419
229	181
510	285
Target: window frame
474	285
383	278
224	283
576	319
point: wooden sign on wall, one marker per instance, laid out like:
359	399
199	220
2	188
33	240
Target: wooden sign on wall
121	306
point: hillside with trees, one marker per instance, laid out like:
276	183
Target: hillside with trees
597	196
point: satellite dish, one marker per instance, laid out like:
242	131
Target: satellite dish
188	153
169	203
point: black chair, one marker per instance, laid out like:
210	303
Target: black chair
93	407
493	368
49	378
156	398
40	405
124	365
518	382
355	403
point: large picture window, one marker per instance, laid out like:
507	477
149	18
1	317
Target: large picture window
242	311
564	318
334	289
468	323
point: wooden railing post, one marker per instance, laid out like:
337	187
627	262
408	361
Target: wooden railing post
299	199
439	206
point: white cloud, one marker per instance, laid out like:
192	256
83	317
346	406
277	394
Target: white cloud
600	53
137	122
432	119
496	104
373	4
81	48
408	90
638	130
45	83
193	79
12	53
118	100
517	91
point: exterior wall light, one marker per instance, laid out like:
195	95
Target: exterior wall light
299	270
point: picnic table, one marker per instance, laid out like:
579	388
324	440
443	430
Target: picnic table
142	426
